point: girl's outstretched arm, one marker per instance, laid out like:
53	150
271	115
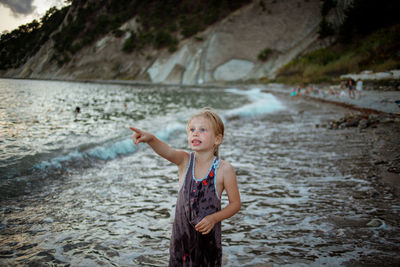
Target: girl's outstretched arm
230	185
164	150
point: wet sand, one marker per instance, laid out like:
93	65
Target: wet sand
374	156
376	160
383	137
382	142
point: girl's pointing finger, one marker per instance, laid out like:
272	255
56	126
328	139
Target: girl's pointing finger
135	130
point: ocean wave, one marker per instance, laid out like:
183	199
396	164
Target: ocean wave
261	104
108	151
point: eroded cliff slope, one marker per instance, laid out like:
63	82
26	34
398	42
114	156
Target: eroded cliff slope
226	51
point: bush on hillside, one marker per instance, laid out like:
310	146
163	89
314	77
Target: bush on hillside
130	43
327	5
325	29
264	54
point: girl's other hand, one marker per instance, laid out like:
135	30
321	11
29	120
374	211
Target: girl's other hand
205	225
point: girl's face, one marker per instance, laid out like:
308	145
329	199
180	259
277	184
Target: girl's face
201	135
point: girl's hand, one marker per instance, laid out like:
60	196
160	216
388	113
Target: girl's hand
205	225
139	136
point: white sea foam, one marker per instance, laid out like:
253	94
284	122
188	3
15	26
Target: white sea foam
58	161
104	152
107	151
112	151
261	103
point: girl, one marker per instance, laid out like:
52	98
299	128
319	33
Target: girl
196	232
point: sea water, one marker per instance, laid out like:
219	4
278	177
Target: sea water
75	190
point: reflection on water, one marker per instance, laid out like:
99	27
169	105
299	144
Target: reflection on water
301	203
37	121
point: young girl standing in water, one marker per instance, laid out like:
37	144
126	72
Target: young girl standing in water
196	232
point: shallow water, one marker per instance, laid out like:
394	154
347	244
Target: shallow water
76	191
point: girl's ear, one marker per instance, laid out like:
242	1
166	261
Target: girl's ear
218	139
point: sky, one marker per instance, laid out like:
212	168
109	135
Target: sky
14	13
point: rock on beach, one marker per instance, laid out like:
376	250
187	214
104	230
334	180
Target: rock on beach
363	120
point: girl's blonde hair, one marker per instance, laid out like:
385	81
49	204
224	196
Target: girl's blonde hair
216	123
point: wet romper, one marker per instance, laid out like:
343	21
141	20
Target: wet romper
197	198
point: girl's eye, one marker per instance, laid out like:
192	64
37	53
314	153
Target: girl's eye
192	130
203	130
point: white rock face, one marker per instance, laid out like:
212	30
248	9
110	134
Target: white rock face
230	48
233	70
163	66
192	73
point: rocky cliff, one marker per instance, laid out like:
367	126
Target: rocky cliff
227	51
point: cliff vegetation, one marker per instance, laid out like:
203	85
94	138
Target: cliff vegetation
368	39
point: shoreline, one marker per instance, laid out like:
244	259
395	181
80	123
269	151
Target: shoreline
372	101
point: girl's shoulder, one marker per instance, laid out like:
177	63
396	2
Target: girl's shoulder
226	167
184	163
185	156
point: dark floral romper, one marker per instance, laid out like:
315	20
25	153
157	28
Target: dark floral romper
197	198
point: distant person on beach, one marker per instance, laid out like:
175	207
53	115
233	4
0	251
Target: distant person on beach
310	90
350	86
298	89
359	87
77	111
196	231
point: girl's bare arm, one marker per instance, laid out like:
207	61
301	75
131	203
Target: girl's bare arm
164	150
232	190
